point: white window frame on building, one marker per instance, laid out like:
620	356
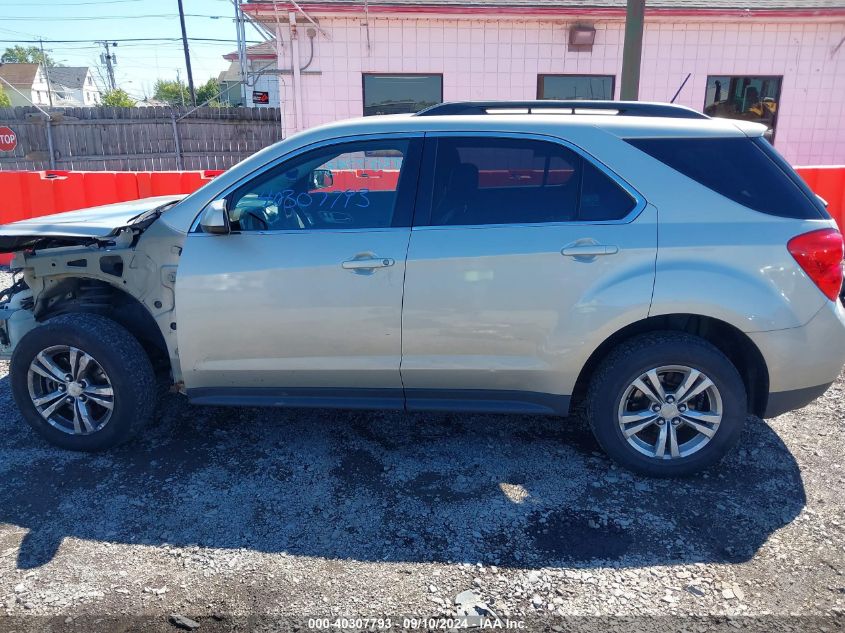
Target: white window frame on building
541	85
410	105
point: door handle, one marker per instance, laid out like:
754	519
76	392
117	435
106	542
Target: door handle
589	250
368	263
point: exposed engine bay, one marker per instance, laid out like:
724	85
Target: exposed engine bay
77	262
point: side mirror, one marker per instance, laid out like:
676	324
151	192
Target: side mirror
321	178
214	218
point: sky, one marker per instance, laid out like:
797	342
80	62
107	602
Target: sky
139	64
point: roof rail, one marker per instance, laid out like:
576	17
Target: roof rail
548	106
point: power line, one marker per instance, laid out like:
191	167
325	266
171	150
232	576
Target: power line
41	18
79	4
166	47
71	4
131	39
19	32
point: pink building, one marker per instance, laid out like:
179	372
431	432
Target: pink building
777	61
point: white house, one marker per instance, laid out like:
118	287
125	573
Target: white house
27	79
74	86
68	86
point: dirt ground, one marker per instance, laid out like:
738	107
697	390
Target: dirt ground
220	515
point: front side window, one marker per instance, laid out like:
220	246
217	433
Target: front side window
480	180
573	87
746	97
401	93
356	185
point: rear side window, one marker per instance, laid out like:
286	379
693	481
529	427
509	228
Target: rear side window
739	169
480	180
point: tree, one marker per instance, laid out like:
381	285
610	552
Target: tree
118	98
171	92
4	98
26	55
209	91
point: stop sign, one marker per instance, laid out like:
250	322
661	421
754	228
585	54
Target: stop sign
8	139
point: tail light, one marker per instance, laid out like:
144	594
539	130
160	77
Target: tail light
819	253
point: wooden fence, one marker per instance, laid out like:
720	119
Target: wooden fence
136	139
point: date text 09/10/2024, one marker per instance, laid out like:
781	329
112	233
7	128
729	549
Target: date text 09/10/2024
417	623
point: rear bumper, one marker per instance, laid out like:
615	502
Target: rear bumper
803	362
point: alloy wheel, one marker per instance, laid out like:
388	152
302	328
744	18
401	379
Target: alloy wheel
70	390
670	412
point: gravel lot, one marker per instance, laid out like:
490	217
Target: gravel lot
220	514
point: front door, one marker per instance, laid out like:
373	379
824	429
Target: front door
524	256
301	303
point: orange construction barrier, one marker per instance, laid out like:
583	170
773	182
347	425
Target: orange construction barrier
29	194
371	179
13	202
69	189
829	183
162	183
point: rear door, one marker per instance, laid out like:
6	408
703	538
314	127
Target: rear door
524	254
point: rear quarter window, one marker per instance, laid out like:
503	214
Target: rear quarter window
741	169
601	198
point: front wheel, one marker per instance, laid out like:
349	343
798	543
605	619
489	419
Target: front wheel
83	382
667	404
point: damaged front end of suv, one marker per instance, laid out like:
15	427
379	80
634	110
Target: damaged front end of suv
115	260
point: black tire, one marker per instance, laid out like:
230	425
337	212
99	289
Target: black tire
121	358
635	357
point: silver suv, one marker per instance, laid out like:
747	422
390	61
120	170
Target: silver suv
668	270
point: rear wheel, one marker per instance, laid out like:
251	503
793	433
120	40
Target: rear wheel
83	382
666	404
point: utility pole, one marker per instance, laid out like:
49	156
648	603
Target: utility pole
187	54
632	52
109	60
46	73
179	83
242	60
